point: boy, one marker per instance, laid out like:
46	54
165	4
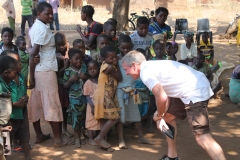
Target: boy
109	29
141	38
207	49
8	72
10	11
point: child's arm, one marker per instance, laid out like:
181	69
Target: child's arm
6	129
21	102
90	102
115	73
88	41
66	65
83	76
72	79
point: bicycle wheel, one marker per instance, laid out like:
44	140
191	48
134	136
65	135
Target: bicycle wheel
131	25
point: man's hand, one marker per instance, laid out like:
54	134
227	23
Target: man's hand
160	124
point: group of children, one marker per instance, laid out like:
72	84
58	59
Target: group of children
95	94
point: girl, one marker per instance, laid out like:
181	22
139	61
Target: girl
79	43
7	37
105	102
44	100
129	110
175	50
73	80
63	63
188	50
91	123
91	32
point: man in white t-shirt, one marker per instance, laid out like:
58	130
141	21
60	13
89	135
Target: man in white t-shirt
141	38
178	81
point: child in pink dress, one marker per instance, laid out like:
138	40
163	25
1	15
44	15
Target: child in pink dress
90	86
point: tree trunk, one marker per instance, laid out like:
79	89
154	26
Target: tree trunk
120	13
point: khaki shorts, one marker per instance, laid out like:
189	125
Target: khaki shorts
196	114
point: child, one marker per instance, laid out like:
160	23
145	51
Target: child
7	37
10	11
207	49
159	27
105	100
73	81
175	50
8	72
63	63
24	56
169	50
91	123
109	29
141	38
129	109
79	43
114	21
159	48
19	118
102	41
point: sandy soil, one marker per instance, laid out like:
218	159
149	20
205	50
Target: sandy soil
224	116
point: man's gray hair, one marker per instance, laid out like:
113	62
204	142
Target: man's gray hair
133	56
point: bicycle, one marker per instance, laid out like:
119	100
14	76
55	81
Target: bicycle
134	17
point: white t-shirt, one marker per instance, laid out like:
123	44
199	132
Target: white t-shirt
41	34
141	42
178	80
188	53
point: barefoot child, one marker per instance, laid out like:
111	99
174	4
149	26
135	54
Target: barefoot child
79	43
7	37
73	81
109	29
8	72
63	63
102	41
129	110
91	124
105	100
19	118
159	48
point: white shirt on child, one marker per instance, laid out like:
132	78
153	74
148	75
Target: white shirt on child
141	42
188	53
41	34
178	80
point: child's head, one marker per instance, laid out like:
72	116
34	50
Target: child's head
169	48
205	37
7	35
161	15
188	37
102	41
79	43
87	11
109	29
14	55
141	51
75	57
61	43
200	59
175	47
159	48
183	62
45	12
125	44
21	43
114	21
93	69
152	20
142	26
8	68
109	55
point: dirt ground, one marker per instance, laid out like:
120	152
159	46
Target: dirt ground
224	116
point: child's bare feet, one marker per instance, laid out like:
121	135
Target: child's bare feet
77	143
122	145
92	143
65	141
66	133
144	141
102	143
